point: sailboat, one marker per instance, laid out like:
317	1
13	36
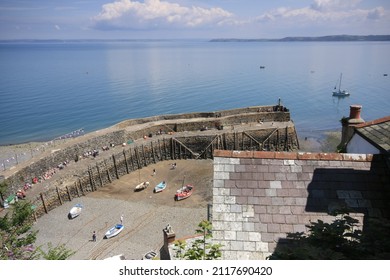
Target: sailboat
340	92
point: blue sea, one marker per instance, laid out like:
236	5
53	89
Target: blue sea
48	89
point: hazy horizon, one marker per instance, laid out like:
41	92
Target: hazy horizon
189	19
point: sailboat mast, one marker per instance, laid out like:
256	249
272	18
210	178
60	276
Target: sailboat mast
341	75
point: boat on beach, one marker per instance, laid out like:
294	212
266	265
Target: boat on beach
120	257
141	186
149	255
184	192
160	187
339	92
75	211
114	231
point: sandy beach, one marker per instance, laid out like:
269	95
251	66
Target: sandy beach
145	213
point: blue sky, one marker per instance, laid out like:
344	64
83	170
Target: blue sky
198	19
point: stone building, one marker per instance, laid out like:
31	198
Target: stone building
259	197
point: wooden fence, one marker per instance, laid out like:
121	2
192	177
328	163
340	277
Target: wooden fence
136	156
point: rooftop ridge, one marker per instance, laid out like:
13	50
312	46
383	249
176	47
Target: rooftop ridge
294	155
373	122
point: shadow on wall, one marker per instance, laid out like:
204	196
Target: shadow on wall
361	191
365	192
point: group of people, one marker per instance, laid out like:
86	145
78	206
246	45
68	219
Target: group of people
21	193
94	153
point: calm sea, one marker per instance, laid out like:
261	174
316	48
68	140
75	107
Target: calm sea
50	89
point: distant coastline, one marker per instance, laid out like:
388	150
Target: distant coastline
330	38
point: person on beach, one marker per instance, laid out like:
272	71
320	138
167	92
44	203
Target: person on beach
122	219
154	172
94	236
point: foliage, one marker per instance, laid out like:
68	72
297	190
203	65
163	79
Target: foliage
3	189
337	240
56	253
17	237
200	248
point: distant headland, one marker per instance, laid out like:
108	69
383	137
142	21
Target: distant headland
329	38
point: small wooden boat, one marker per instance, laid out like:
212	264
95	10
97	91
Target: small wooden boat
75	211
114	231
141	186
184	192
160	187
149	255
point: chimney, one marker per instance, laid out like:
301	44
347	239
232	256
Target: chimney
169	237
348	124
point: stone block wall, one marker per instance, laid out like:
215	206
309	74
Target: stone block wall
52	160
259	197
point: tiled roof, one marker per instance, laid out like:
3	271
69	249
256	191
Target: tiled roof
376	132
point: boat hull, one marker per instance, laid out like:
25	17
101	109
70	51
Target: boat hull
114	231
149	255
160	187
340	93
141	186
184	192
75	211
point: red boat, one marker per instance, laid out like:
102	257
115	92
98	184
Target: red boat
184	192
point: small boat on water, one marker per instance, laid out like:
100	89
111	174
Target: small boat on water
160	187
141	186
184	192
149	255
114	231
75	211
339	92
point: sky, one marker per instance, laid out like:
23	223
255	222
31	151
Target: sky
190	19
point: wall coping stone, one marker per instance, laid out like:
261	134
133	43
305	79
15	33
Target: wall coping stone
294	155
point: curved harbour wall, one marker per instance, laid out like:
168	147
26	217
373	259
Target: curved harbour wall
153	139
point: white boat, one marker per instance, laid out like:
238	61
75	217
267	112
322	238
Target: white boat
149	255
160	187
141	186
75	210
114	231
120	257
339	92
